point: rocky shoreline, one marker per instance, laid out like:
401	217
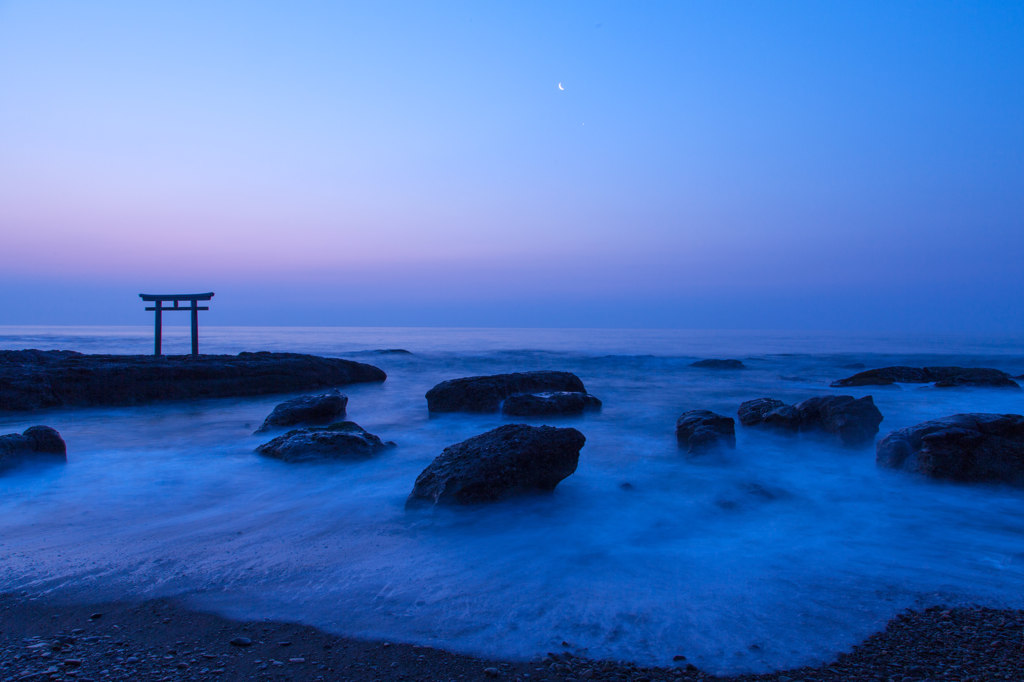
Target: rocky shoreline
165	640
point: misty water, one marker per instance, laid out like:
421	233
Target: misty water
780	553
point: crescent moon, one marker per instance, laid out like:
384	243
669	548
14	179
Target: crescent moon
560	87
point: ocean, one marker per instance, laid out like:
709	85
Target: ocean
780	553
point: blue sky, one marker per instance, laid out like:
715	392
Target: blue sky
841	165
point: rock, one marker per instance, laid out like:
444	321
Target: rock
550	403
484	394
719	364
38	443
308	409
33	379
241	641
854	420
340	441
942	377
753	412
702	430
962	447
510	459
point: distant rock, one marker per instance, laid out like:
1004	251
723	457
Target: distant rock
702	430
36	443
340	441
719	364
392	351
485	393
973	447
510	459
853	420
942	377
33	379
550	403
308	409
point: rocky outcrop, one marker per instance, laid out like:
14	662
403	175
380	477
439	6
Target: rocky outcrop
719	364
554	403
34	443
485	394
510	459
307	409
702	430
340	441
753	412
942	377
962	447
853	420
33	379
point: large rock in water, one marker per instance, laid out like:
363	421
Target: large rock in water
548	404
484	394
343	440
307	409
510	459
962	447
33	379
702	430
853	420
942	377
34	443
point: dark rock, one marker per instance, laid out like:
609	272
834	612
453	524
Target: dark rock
241	641
854	420
551	403
393	351
484	394
702	430
32	379
505	461
307	409
719	364
753	412
942	377
40	443
962	447
340	441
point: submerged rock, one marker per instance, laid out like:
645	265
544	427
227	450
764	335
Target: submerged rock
32	379
308	409
510	459
962	447
942	377
340	441
485	393
719	364
853	420
36	443
702	430
550	403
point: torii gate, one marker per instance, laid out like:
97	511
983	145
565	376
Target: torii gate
158	301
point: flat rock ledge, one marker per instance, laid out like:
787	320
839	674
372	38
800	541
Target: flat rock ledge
309	410
506	461
552	403
34	379
942	377
853	420
714	363
36	443
341	441
486	393
971	447
702	430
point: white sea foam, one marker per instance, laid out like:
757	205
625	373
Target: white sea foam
780	553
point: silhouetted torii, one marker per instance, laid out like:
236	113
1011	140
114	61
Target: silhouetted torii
158	306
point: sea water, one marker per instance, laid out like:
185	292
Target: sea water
779	553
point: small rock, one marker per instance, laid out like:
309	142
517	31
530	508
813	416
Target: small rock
491	672
241	641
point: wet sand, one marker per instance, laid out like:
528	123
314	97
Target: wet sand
164	640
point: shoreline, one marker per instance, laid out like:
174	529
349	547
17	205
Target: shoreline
46	639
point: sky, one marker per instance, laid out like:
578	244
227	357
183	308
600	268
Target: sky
785	165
